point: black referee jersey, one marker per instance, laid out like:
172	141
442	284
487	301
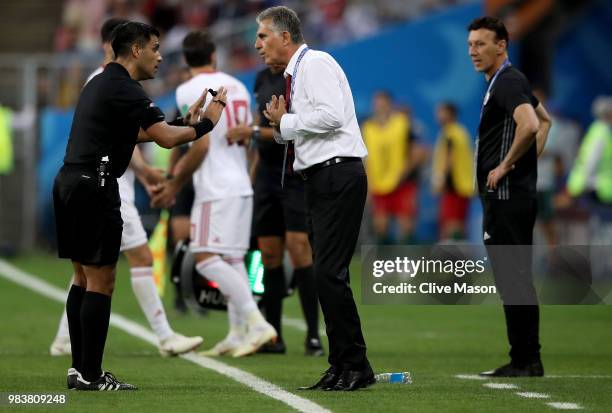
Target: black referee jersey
110	111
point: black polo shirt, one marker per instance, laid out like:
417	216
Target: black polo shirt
111	109
496	135
268	84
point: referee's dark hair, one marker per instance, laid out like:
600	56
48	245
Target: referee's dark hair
107	28
198	49
490	23
127	34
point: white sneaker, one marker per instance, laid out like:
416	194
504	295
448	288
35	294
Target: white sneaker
225	347
178	344
257	336
60	347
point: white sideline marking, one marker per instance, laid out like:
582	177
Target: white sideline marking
470	377
500	385
34	283
564	406
555	376
577	376
531	395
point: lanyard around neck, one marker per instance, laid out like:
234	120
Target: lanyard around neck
486	96
297	63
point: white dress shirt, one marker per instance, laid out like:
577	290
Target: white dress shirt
322	121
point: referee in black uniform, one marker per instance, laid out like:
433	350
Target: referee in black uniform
113	114
512	132
279	220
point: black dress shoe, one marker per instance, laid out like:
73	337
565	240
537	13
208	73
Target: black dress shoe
327	381
535	369
355	379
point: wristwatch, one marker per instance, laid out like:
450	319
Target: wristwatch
256	134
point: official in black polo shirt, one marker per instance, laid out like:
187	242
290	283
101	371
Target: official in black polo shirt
512	132
279	220
112	115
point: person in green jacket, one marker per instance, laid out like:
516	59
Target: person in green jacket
592	171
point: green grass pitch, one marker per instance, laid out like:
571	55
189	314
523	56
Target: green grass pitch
434	343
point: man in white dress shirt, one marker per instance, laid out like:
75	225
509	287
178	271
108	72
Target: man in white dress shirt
317	116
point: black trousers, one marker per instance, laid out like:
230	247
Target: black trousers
335	198
508	227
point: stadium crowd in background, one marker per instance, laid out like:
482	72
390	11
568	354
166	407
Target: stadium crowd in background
232	23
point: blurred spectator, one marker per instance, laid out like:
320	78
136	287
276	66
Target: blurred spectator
553	167
334	21
592	171
232	23
394	156
453	172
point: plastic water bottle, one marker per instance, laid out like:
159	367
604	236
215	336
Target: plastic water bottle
394	378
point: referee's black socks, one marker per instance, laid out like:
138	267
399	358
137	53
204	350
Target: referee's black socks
73	312
95	316
308	298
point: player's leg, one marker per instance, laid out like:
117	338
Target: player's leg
269	228
237	323
452	216
179	229
404	208
214	234
275	288
171	343
380	219
300	252
61	343
301	257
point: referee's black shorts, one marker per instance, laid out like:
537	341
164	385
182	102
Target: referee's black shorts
87	218
278	209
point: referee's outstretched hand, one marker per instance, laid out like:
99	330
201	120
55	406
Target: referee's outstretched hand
213	111
215	108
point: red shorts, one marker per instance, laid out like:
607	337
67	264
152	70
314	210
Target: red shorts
401	202
453	207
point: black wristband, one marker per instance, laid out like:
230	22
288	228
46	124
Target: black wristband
177	122
203	127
